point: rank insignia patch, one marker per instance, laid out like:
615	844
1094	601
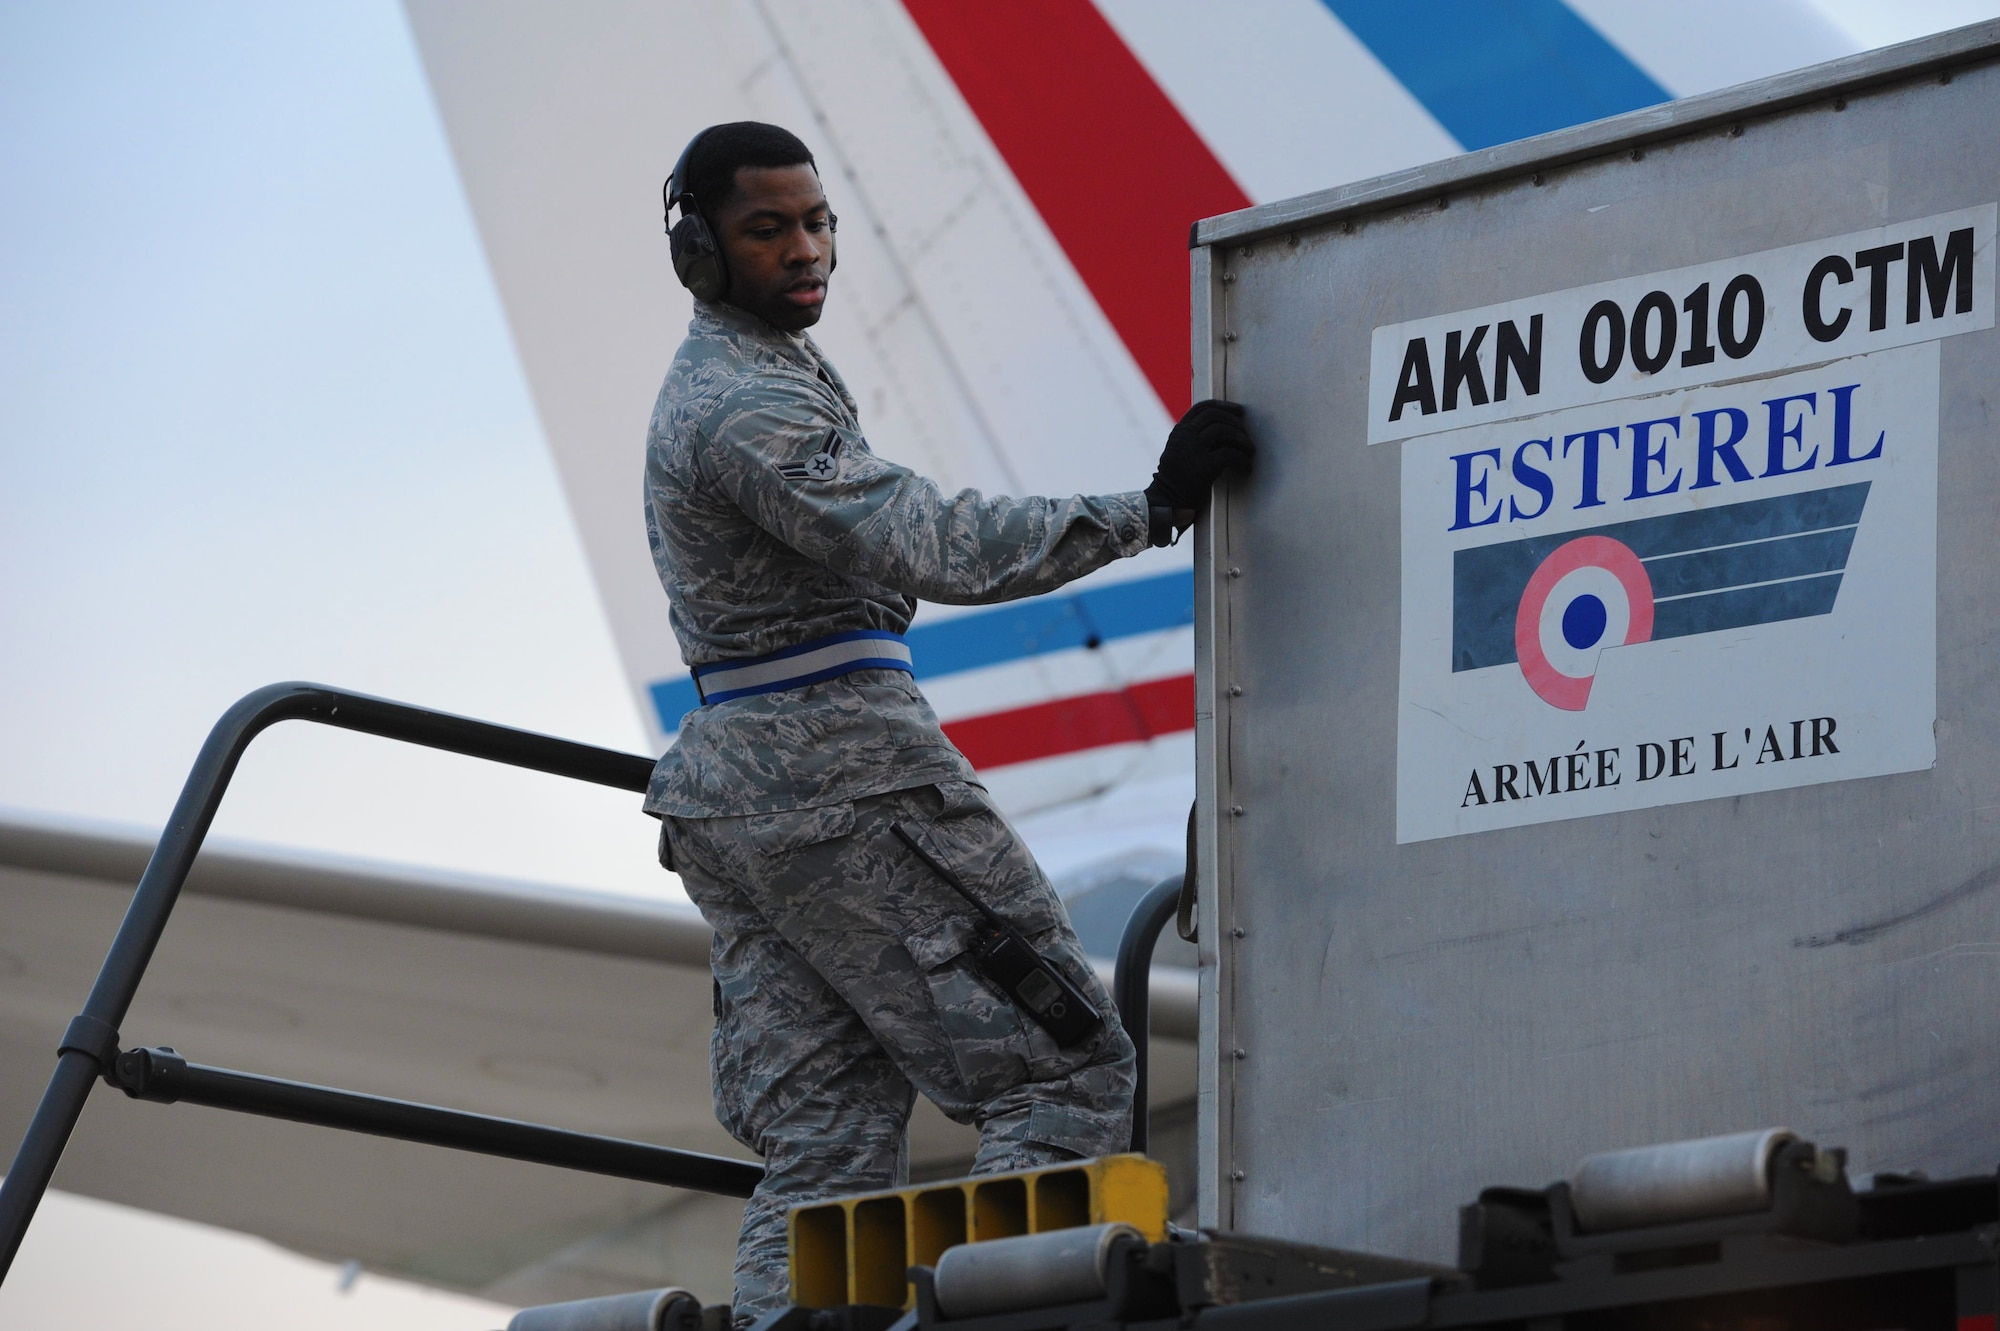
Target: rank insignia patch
821	466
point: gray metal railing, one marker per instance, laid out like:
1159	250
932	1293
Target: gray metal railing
90	1047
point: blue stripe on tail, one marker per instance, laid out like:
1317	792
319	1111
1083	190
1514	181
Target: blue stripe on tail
1493	71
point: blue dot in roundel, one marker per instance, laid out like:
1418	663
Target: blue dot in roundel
1584	621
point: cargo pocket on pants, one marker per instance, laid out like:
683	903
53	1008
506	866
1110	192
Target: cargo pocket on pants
992	1045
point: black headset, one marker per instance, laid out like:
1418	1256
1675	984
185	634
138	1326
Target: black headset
698	260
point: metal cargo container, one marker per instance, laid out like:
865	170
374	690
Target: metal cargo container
1599	679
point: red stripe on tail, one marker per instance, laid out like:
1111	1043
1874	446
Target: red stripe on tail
1116	171
1071	725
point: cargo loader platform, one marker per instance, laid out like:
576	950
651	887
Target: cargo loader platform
1751	1232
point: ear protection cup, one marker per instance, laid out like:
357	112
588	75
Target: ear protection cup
698	260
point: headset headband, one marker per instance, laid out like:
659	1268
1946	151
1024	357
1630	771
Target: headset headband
675	191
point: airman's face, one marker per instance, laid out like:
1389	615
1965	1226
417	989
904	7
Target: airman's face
776	234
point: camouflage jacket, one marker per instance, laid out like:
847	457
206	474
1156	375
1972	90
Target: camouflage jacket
773	523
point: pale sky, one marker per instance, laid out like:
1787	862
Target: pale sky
261	419
1885	22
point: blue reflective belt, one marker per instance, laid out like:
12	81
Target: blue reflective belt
808	663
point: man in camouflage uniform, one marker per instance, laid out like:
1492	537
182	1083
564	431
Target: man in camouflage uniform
793	558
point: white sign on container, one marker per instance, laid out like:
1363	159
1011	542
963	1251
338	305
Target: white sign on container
1712	592
1665	538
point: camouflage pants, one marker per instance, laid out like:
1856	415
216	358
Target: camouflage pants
843	986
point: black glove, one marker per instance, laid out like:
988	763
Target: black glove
1209	440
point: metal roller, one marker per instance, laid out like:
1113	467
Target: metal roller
649	1310
1692	1180
1034	1271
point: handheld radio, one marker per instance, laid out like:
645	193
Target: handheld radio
1006	958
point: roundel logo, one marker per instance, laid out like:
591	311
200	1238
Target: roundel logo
1589	594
